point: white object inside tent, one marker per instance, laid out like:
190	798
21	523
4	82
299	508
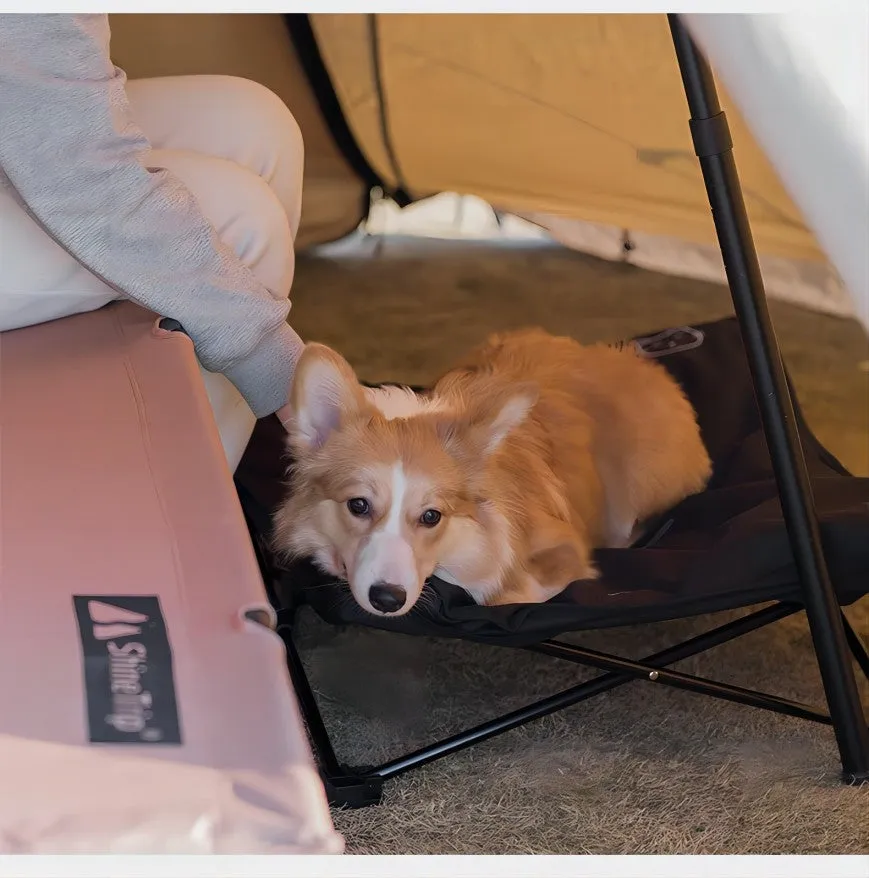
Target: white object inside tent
801	80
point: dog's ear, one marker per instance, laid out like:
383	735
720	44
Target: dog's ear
494	417
485	422
325	391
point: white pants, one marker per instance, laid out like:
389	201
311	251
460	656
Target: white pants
238	149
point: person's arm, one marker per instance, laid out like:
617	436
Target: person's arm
69	148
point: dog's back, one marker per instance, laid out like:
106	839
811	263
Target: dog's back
615	430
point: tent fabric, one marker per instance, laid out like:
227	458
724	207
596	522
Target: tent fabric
580	116
577	116
722	549
577	122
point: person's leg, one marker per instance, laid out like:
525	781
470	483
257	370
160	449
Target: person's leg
248	218
243	161
244	211
241	123
40	281
228	117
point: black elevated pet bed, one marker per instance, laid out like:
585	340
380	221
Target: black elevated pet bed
781	523
720	550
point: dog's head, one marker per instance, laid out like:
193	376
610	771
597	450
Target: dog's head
384	483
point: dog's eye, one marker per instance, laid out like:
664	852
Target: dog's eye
430	518
358	506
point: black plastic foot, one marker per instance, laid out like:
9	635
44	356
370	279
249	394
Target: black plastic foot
353	790
852	779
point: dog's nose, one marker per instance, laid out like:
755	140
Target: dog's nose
386	597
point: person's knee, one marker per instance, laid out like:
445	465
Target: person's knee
260	233
275	119
279	148
256	226
227	116
263	113
246	214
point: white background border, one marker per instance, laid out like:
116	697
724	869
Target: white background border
432	867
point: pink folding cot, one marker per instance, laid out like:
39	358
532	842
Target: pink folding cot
146	705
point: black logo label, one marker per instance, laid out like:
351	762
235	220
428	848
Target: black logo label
129	683
670	341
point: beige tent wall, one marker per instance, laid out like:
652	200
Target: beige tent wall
576	122
579	116
255	47
576	116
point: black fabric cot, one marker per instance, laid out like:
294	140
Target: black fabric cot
782	523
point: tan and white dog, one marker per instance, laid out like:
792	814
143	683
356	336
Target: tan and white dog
502	479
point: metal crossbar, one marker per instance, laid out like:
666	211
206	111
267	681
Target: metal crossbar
360	786
677	680
588	689
363	785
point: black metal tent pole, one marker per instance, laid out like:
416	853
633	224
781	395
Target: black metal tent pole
713	146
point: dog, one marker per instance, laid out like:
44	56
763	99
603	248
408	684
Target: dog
502	479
